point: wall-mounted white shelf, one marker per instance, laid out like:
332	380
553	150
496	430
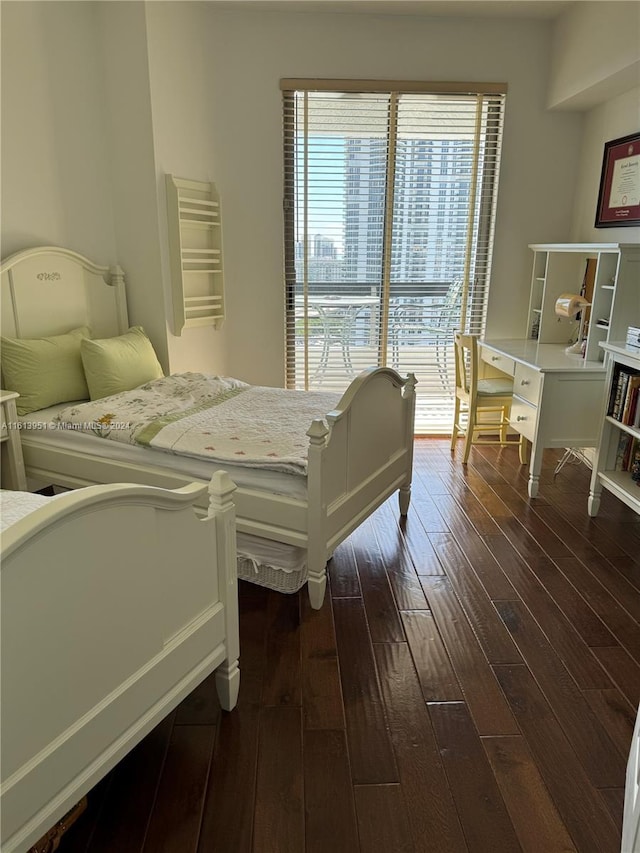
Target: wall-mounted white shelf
195	248
609	271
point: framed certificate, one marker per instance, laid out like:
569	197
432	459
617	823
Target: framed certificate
619	194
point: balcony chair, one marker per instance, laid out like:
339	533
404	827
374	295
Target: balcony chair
333	319
475	398
418	321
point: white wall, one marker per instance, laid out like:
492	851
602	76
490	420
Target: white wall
56	183
596	53
251	50
77	143
596	68
100	99
127	106
184	139
618	117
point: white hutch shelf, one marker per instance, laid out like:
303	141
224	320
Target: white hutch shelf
195	248
610	273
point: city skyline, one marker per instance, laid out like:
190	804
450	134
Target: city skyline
346	201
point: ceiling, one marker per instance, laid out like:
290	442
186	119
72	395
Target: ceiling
538	9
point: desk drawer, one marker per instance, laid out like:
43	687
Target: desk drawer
500	362
523	418
527	383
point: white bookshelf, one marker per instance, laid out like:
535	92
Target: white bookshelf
195	249
605	475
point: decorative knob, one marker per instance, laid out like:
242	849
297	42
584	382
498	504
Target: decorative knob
524	382
495	358
521	418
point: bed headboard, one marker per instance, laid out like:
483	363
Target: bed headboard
48	291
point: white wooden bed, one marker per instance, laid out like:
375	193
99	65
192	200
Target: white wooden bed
117	601
359	454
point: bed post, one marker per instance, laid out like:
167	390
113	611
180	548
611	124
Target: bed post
222	510
317	510
409	395
116	280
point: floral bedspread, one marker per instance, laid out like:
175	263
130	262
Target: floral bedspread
210	417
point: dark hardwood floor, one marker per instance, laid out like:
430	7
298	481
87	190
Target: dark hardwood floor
470	684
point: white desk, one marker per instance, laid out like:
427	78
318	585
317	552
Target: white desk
557	398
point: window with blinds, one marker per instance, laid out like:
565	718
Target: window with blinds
390	195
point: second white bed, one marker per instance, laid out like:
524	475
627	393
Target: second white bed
117	601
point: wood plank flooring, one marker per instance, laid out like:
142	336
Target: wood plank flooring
470	684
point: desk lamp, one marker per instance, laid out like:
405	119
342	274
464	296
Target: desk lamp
570	305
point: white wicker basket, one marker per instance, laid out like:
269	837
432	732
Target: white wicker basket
276	579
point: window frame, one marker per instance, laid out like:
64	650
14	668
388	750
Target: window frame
485	180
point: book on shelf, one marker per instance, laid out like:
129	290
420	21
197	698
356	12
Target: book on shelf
633	407
623	447
621	398
621	389
613	391
634	462
633	337
628	448
628	410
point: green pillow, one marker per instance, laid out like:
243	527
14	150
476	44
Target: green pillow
45	371
112	365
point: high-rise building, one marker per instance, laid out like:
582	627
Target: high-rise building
431	189
430	210
323	247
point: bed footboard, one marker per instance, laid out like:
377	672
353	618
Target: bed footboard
361	457
117	601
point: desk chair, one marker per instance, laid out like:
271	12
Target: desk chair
434	322
476	397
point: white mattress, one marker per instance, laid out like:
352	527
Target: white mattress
42	425
254	551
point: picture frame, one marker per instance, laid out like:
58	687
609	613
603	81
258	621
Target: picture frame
619	192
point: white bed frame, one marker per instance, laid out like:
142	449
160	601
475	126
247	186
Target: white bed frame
117	601
359	455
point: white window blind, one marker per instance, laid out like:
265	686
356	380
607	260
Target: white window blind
389	209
